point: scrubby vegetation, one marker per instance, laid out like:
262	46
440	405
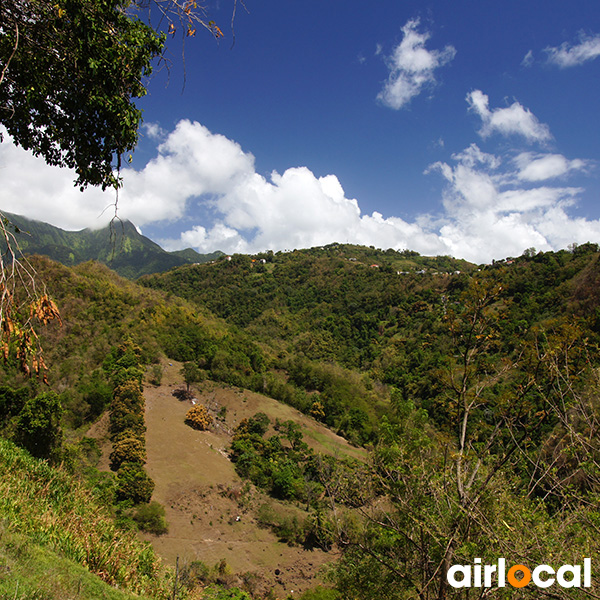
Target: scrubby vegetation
127	425
198	418
49	510
479	381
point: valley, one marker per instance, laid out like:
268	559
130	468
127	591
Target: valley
363	409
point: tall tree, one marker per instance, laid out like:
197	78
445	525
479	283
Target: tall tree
70	71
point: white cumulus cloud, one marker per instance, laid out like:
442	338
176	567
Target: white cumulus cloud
297	209
540	167
412	67
512	120
491	207
30	187
568	55
190	162
488	217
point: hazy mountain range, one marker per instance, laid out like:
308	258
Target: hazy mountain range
119	246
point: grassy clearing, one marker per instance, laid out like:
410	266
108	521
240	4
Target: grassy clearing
329	443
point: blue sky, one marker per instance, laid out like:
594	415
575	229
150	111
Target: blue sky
467	128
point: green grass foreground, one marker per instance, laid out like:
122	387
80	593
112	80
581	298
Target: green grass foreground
56	541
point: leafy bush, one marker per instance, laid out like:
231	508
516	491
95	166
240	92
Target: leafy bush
191	373
127	409
155	375
198	418
134	484
151	518
194	574
128	449
129	392
38	425
122	375
96	394
257	424
268	463
127	425
11	402
316	530
131	426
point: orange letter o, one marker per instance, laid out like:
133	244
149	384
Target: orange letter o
518	583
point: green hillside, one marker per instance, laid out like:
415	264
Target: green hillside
119	246
474	389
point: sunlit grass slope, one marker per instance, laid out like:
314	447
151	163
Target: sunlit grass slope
56	541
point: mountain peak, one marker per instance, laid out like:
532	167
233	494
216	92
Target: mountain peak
120	245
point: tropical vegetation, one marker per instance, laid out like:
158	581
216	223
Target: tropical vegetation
474	389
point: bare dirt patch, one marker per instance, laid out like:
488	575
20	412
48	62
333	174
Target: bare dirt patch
210	510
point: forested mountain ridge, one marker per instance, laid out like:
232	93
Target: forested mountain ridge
120	246
477	387
385	314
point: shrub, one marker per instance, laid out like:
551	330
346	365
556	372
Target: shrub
129	393
38	425
259	423
128	449
133	483
285	524
127	424
96	393
151	518
191	373
317	411
194	574
155	376
121	376
198	418
127	408
11	402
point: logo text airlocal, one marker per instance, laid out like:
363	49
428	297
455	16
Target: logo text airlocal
497	575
